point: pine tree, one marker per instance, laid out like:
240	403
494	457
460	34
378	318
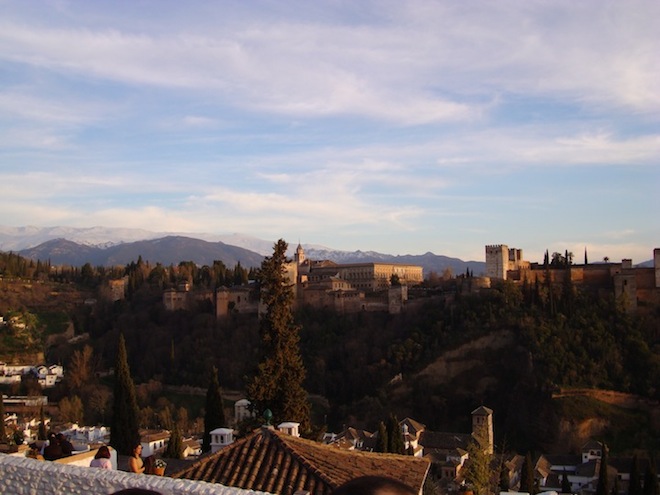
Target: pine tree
124	432
174	448
395	443
603	487
381	441
527	475
215	413
278	382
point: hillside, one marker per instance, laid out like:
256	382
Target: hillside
513	348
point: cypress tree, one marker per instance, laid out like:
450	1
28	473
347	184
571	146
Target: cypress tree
651	478
635	483
603	487
41	433
395	443
174	448
527	475
3	433
615	487
565	484
381	441
124	432
215	413
278	382
505	479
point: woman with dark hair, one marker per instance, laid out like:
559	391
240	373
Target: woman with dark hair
102	459
135	462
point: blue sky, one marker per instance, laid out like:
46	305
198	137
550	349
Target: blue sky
399	127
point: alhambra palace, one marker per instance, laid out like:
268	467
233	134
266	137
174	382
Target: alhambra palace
356	287
635	288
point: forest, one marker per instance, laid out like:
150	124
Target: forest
360	368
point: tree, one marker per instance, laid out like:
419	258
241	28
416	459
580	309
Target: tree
635	483
527	475
278	382
651	478
124	433
215	413
381	440
479	473
603	486
615	486
174	448
41	433
505	479
71	409
395	443
565	484
81	368
3	433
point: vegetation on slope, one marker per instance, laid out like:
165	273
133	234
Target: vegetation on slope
510	347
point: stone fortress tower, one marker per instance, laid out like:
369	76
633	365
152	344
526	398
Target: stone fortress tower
500	259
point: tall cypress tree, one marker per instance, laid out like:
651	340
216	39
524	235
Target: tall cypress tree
124	432
381	441
635	483
174	448
395	443
603	487
3	433
278	382
565	484
215	413
651	478
527	475
41	433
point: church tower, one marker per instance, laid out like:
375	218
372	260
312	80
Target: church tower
300	254
482	421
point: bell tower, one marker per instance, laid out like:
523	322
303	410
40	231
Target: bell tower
482	423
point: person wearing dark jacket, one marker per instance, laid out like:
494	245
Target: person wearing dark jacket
53	450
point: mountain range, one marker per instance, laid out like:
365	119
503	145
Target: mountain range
101	246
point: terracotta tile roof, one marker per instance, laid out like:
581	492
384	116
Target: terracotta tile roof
444	441
274	462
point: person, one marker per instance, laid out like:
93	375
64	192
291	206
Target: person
135	462
54	449
102	458
67	447
374	485
34	452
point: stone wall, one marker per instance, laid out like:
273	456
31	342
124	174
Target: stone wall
24	476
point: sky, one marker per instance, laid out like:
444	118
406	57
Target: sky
398	127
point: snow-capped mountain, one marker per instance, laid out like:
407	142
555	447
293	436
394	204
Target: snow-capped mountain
20	238
107	246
